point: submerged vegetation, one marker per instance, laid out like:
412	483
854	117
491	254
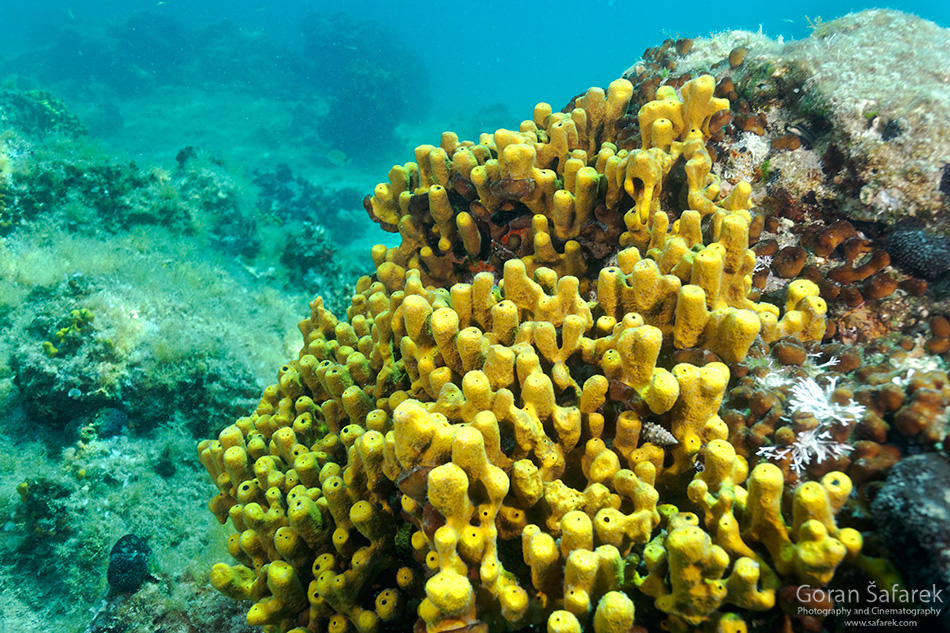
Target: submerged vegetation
143	303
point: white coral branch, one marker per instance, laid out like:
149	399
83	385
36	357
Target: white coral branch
815	445
808	396
812	445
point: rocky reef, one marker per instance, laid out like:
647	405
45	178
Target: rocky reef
120	286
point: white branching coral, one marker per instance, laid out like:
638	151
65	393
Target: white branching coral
808	396
762	262
908	367
813	445
813	367
775	377
779	377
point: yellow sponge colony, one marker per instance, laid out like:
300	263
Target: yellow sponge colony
465	448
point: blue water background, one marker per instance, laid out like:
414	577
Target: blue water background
477	53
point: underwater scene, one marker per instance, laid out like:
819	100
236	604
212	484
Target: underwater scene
329	317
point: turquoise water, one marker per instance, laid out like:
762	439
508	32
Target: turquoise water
476	53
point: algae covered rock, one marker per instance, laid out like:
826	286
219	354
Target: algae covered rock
912	511
128	564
